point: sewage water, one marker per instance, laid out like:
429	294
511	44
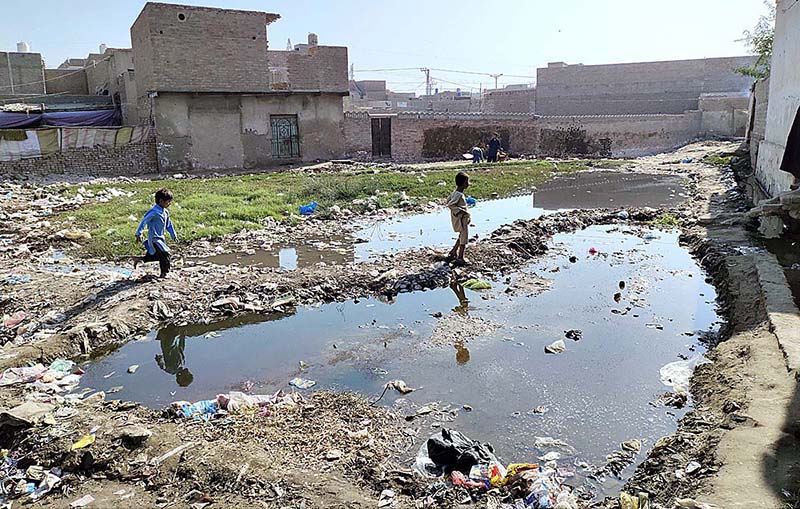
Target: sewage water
597	392
582	190
432	229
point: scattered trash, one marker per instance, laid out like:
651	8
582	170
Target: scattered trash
476	284
467	408
687	160
333	455
83	501
471	201
623	214
574	334
26	414
50	481
132	369
451	450
690	503
677	374
593	251
386	499
17	279
573	259
85	441
302	383
692	467
204	410
556	347
160	459
307	210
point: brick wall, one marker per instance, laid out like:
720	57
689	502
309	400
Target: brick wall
198	49
626	135
322	68
510	101
26	73
636	88
66	81
125	160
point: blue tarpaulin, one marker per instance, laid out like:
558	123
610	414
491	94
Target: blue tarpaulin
95	118
17	120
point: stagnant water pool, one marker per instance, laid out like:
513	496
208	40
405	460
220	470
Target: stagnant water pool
584	190
597	393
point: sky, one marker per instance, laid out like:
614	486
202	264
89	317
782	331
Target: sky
512	37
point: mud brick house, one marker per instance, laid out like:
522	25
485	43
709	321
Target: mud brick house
219	99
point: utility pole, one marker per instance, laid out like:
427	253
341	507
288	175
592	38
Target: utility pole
427	80
352	72
495	76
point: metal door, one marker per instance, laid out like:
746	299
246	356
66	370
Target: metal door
382	137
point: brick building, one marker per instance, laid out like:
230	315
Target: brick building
219	99
669	87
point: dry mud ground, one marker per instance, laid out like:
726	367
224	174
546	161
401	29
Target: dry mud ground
334	450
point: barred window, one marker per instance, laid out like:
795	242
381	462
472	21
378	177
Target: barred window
285	137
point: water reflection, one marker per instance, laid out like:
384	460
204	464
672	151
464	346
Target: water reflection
172	358
463	301
462	353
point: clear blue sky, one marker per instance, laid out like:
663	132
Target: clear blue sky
497	36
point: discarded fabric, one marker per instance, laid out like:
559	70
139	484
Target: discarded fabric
302	383
476	284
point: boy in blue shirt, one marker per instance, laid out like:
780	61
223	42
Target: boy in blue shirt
157	221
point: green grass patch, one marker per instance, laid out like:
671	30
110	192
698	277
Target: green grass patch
665	222
213	207
718	160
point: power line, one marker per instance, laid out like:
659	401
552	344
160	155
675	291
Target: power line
445	70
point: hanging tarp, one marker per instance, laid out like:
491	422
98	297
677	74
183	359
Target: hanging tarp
98	118
15	149
86	137
49	141
16	120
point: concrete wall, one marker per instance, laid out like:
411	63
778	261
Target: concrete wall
758	123
225	131
414	135
21	73
724	114
126	160
66	81
199	49
636	88
784	98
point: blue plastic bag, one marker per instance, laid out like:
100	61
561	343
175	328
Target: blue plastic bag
309	209
200	410
471	201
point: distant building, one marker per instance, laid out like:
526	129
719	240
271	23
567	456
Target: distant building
511	99
636	88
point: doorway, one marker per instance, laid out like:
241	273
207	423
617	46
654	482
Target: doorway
381	137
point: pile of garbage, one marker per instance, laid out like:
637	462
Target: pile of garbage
234	402
60	376
465	463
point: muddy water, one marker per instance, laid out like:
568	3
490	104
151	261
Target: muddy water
583	190
432	229
597	393
786	249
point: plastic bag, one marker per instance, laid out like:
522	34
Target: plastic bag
476	284
307	210
201	410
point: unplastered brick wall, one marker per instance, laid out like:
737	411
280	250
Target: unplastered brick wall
200	49
125	160
320	68
622	135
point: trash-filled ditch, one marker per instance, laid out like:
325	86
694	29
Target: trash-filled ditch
622	311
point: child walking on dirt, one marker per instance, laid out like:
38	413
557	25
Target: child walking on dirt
459	217
157	221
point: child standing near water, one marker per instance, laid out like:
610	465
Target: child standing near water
459	217
157	221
